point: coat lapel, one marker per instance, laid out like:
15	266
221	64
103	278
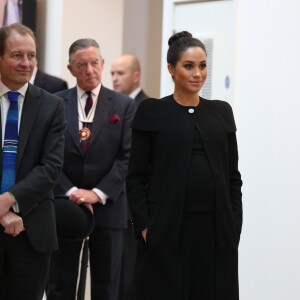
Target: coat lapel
104	106
71	111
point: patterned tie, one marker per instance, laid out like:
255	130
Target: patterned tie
84	144
10	144
89	103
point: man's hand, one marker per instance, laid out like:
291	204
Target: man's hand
86	197
12	223
6	202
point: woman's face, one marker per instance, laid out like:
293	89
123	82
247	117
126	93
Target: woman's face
190	72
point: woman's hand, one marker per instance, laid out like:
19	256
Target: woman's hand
144	234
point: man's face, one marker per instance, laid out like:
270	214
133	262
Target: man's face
18	61
87	66
124	79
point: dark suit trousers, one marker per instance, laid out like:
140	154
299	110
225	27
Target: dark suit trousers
105	247
23	271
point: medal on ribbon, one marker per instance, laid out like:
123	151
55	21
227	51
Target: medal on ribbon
84	134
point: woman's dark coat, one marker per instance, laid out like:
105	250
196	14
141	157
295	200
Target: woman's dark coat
162	143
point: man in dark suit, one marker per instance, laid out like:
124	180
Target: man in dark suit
97	150
126	76
48	82
30	166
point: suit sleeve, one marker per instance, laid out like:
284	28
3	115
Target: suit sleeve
139	166
138	179
235	182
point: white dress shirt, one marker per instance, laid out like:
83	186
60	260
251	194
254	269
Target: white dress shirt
4	104
81	98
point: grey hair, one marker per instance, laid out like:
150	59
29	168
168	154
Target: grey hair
83	44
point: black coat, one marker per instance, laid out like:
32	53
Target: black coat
162	143
140	97
51	84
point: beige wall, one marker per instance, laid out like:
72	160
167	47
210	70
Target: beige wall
142	37
98	19
120	26
154	46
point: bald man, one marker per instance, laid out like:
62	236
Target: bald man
126	76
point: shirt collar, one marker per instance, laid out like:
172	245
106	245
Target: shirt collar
81	92
135	92
4	89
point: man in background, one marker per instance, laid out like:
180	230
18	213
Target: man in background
32	137
10	12
126	76
97	148
50	83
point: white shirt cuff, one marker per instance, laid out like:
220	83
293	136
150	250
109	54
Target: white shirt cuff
103	197
16	208
71	190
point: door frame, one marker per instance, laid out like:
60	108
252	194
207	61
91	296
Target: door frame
167	31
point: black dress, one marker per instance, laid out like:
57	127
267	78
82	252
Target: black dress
162	165
198	226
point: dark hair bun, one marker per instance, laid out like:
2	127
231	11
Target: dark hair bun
178	36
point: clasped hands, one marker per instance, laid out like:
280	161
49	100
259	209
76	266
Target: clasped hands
85	197
11	222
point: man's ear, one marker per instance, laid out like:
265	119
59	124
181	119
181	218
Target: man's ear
70	67
136	76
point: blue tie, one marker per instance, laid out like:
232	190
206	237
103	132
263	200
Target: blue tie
10	144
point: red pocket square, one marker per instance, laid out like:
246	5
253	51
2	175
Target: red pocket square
114	119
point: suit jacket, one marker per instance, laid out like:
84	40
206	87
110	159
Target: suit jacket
104	164
162	144
140	97
49	83
39	162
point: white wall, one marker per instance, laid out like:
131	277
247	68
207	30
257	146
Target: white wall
268	117
267	111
